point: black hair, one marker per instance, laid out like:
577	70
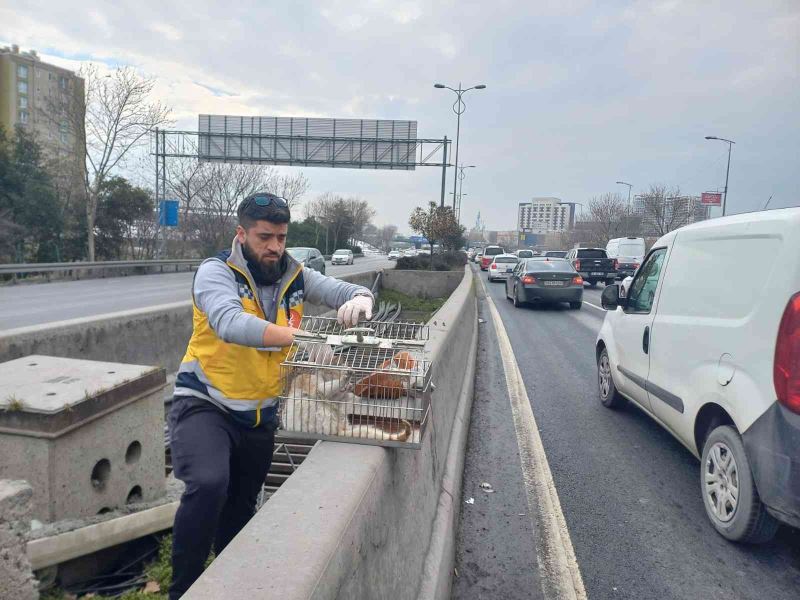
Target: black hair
276	211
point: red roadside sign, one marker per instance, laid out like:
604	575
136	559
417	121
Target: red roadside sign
711	198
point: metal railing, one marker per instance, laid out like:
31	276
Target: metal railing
31	268
16	269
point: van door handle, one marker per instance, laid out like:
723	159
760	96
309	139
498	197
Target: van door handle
646	340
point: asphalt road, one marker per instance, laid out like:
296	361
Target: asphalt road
35	304
629	491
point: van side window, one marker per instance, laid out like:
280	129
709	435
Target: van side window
643	289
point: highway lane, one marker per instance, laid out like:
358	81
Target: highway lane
629	491
34	304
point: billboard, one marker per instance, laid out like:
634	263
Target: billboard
300	141
711	199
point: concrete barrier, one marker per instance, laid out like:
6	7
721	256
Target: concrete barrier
156	335
363	521
423	284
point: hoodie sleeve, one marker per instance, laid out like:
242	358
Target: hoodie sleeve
332	292
216	293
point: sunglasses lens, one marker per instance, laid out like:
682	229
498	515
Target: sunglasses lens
267	200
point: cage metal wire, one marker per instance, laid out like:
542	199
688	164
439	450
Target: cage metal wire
357	385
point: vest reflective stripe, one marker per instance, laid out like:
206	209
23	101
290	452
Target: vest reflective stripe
240	373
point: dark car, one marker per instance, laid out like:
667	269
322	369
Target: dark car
309	257
545	280
555	253
593	264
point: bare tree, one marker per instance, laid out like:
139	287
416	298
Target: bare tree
664	209
361	214
387	235
187	180
607	217
290	187
213	215
115	117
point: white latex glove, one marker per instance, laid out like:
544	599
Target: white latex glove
350	312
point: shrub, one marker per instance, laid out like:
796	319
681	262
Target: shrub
448	261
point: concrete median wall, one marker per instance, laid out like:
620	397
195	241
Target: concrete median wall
155	335
422	284
363	521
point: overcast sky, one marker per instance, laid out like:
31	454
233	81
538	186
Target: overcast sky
579	94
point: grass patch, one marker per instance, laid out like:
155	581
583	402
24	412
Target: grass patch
159	571
425	307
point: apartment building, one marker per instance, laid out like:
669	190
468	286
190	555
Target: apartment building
543	215
40	97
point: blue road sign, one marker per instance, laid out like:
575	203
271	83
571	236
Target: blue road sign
168	213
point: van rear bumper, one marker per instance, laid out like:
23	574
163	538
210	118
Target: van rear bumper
773	449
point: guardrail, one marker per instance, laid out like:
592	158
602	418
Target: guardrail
31	268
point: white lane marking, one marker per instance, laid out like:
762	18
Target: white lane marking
594	306
561	575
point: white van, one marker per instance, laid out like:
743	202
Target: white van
707	343
628	253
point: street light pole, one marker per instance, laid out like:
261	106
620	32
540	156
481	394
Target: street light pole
630	185
458	107
727	171
461	176
628	210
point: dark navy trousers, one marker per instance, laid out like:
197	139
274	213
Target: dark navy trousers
223	465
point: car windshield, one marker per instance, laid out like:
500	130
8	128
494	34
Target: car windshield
299	253
552	264
341	253
525	253
505	259
592	253
557	253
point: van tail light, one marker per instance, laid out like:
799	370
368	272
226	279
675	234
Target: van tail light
528	279
786	367
577	265
577	280
616	264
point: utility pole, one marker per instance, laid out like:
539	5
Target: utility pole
727	171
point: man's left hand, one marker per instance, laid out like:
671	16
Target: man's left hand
350	312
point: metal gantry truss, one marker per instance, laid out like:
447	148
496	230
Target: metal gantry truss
298	151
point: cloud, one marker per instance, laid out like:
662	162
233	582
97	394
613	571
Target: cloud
579	94
171	33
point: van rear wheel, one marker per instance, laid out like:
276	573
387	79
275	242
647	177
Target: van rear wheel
729	493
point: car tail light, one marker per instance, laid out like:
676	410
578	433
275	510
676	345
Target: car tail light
577	280
528	279
577	265
786	367
635	265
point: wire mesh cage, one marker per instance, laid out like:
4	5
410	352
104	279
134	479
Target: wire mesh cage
368	384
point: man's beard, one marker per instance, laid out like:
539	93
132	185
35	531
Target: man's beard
264	272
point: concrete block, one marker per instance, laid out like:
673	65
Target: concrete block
16	576
87	435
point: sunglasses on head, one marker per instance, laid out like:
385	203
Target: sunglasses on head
267	200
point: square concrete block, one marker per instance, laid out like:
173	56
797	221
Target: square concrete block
87	435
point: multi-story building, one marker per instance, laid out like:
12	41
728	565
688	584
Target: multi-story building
543	215
46	100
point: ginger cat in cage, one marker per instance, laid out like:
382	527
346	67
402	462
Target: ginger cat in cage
318	404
